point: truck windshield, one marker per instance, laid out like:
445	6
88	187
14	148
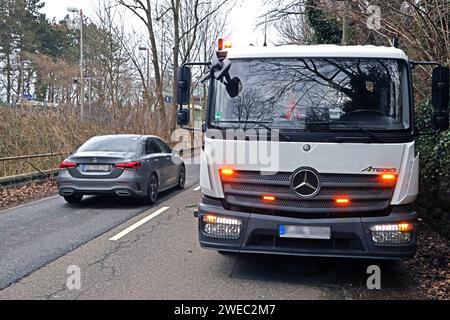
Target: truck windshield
315	94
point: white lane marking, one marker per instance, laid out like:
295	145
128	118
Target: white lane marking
198	188
138	224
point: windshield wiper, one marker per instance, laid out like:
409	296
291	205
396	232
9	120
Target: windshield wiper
352	124
261	124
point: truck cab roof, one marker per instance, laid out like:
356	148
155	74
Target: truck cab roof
325	51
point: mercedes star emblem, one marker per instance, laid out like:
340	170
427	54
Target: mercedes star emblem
305	182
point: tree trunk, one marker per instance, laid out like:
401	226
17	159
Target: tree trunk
176	54
8	78
158	77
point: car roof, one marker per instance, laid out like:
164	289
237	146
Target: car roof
130	136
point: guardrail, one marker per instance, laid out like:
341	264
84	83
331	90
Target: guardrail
40	175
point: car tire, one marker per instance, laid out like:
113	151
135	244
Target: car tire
152	190
181	178
74	198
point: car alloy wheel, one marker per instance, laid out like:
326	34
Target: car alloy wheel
182	178
153	189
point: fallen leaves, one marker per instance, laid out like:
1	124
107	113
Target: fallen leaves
430	267
34	191
426	276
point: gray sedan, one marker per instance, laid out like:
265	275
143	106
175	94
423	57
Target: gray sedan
121	165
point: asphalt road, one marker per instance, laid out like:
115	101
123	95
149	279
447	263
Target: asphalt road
37	233
162	260
158	259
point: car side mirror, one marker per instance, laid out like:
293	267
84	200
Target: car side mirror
440	98
184	79
183	117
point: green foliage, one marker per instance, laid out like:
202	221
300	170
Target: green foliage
327	29
23	30
434	149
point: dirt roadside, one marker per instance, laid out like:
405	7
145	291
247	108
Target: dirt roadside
427	276
34	191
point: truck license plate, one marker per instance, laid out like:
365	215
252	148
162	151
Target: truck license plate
304	232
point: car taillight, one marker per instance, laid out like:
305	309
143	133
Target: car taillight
134	165
67	165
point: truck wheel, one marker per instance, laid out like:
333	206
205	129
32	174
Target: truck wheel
74	198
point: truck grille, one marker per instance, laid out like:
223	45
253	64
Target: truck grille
366	192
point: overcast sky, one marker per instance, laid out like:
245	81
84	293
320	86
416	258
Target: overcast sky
241	22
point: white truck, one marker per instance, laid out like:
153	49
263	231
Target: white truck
309	150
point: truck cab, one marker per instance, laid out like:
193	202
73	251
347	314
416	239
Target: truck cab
310	150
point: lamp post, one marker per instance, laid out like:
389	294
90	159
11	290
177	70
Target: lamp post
80	12
148	67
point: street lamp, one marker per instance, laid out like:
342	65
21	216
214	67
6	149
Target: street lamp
148	66
80	12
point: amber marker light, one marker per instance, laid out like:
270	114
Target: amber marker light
228	44
210	218
387	177
405	227
226	172
269	198
342	201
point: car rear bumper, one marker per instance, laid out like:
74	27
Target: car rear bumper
129	184
350	237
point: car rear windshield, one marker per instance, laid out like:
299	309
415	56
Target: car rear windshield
119	144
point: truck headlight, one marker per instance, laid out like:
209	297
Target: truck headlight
392	234
222	227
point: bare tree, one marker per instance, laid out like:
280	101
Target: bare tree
179	23
143	9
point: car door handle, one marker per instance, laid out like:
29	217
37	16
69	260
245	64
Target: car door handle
156	160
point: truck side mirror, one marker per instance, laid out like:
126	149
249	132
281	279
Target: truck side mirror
183	117
440	98
439	121
184	79
221	69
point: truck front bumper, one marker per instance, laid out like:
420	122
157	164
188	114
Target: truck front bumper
350	237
